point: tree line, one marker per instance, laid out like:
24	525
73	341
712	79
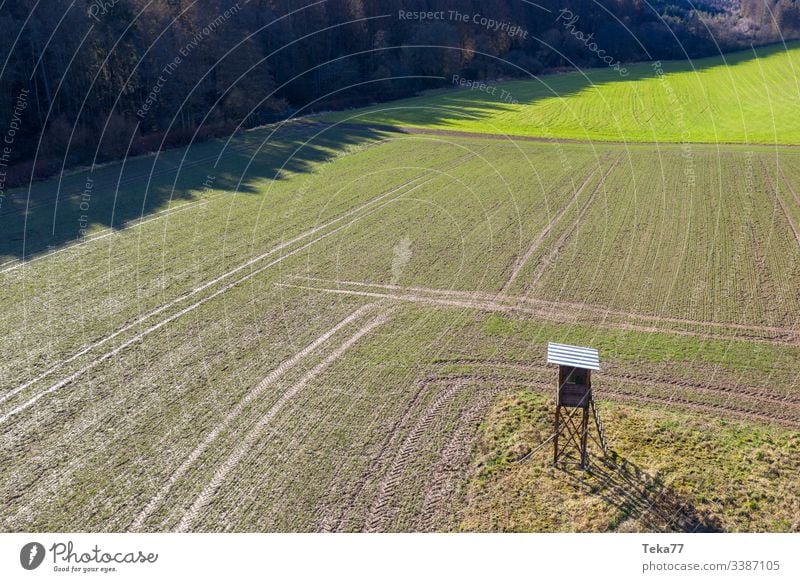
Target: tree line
95	80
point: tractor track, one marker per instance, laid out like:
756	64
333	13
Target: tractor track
562	240
452	466
13	265
198	289
543	234
785	335
248	441
368	207
394	433
657	381
237	410
623	395
745	414
789	186
499	305
383	509
777	196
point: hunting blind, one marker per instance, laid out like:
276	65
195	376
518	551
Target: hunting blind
574	401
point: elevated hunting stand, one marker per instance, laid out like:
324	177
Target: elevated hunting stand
574	397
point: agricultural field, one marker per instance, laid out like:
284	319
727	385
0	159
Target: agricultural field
745	97
316	327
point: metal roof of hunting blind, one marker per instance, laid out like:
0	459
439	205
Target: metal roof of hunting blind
566	355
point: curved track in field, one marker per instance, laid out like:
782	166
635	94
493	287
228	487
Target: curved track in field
613	390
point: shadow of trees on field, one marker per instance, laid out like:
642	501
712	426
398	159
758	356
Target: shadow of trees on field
447	106
640	496
52	214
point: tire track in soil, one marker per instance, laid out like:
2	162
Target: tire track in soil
777	196
561	241
623	396
106	232
382	509
365	206
402	420
214	281
789	186
548	314
53	457
791	334
655	381
111	230
543	234
745	414
421	180
246	444
256	392
452	466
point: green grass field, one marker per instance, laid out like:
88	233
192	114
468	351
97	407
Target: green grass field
700	473
748	97
325	328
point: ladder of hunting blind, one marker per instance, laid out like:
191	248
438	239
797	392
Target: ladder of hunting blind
599	424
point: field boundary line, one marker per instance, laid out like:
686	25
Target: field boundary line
254	433
410	129
746	391
776	194
272	377
542	266
543	234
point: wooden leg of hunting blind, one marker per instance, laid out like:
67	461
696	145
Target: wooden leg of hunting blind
584	439
555	434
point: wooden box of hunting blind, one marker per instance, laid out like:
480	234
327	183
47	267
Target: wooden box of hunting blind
574	387
575	365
